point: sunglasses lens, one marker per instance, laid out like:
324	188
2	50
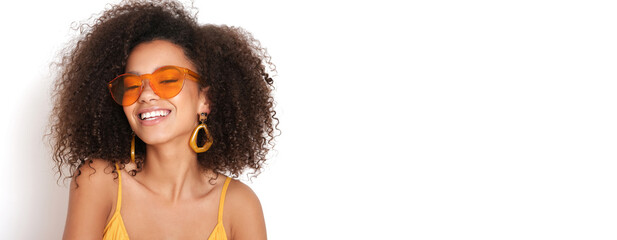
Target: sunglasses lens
125	89
167	82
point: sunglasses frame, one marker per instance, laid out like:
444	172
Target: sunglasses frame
193	76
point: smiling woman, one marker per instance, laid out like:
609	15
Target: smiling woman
149	92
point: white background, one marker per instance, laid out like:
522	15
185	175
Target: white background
417	120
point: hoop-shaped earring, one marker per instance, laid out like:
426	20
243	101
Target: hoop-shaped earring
193	141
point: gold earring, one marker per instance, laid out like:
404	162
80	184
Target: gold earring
193	141
133	149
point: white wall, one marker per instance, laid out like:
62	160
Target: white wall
418	120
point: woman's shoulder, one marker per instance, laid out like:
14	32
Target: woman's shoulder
243	209
97	173
91	199
94	187
238	191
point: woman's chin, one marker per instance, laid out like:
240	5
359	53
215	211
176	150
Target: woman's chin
154	139
161	139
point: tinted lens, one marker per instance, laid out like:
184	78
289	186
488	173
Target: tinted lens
167	82
125	89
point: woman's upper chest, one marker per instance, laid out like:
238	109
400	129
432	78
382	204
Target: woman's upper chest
147	215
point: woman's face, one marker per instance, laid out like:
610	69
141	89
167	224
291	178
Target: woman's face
172	120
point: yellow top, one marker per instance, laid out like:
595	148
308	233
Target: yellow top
115	229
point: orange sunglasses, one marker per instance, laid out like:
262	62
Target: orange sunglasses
166	82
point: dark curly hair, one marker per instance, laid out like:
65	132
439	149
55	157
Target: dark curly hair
87	124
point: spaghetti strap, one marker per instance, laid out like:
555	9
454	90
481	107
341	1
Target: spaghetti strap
115	229
119	201
222	200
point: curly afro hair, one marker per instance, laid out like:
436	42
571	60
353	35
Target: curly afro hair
87	124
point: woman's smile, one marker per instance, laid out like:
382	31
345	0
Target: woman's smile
152	116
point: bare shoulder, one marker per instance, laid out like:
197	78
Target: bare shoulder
96	178
98	173
245	214
91	199
241	200
242	193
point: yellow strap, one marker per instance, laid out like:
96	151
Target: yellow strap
119	203
222	201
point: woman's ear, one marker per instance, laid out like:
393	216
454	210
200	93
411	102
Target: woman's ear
204	101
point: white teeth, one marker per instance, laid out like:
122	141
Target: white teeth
156	113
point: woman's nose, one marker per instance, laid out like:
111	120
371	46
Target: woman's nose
147	93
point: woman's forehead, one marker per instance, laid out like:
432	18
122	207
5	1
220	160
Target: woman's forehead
149	56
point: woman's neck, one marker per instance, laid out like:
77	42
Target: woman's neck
172	172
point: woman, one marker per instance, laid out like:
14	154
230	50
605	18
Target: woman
151	110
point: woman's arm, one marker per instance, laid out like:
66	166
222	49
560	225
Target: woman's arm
245	214
91	203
